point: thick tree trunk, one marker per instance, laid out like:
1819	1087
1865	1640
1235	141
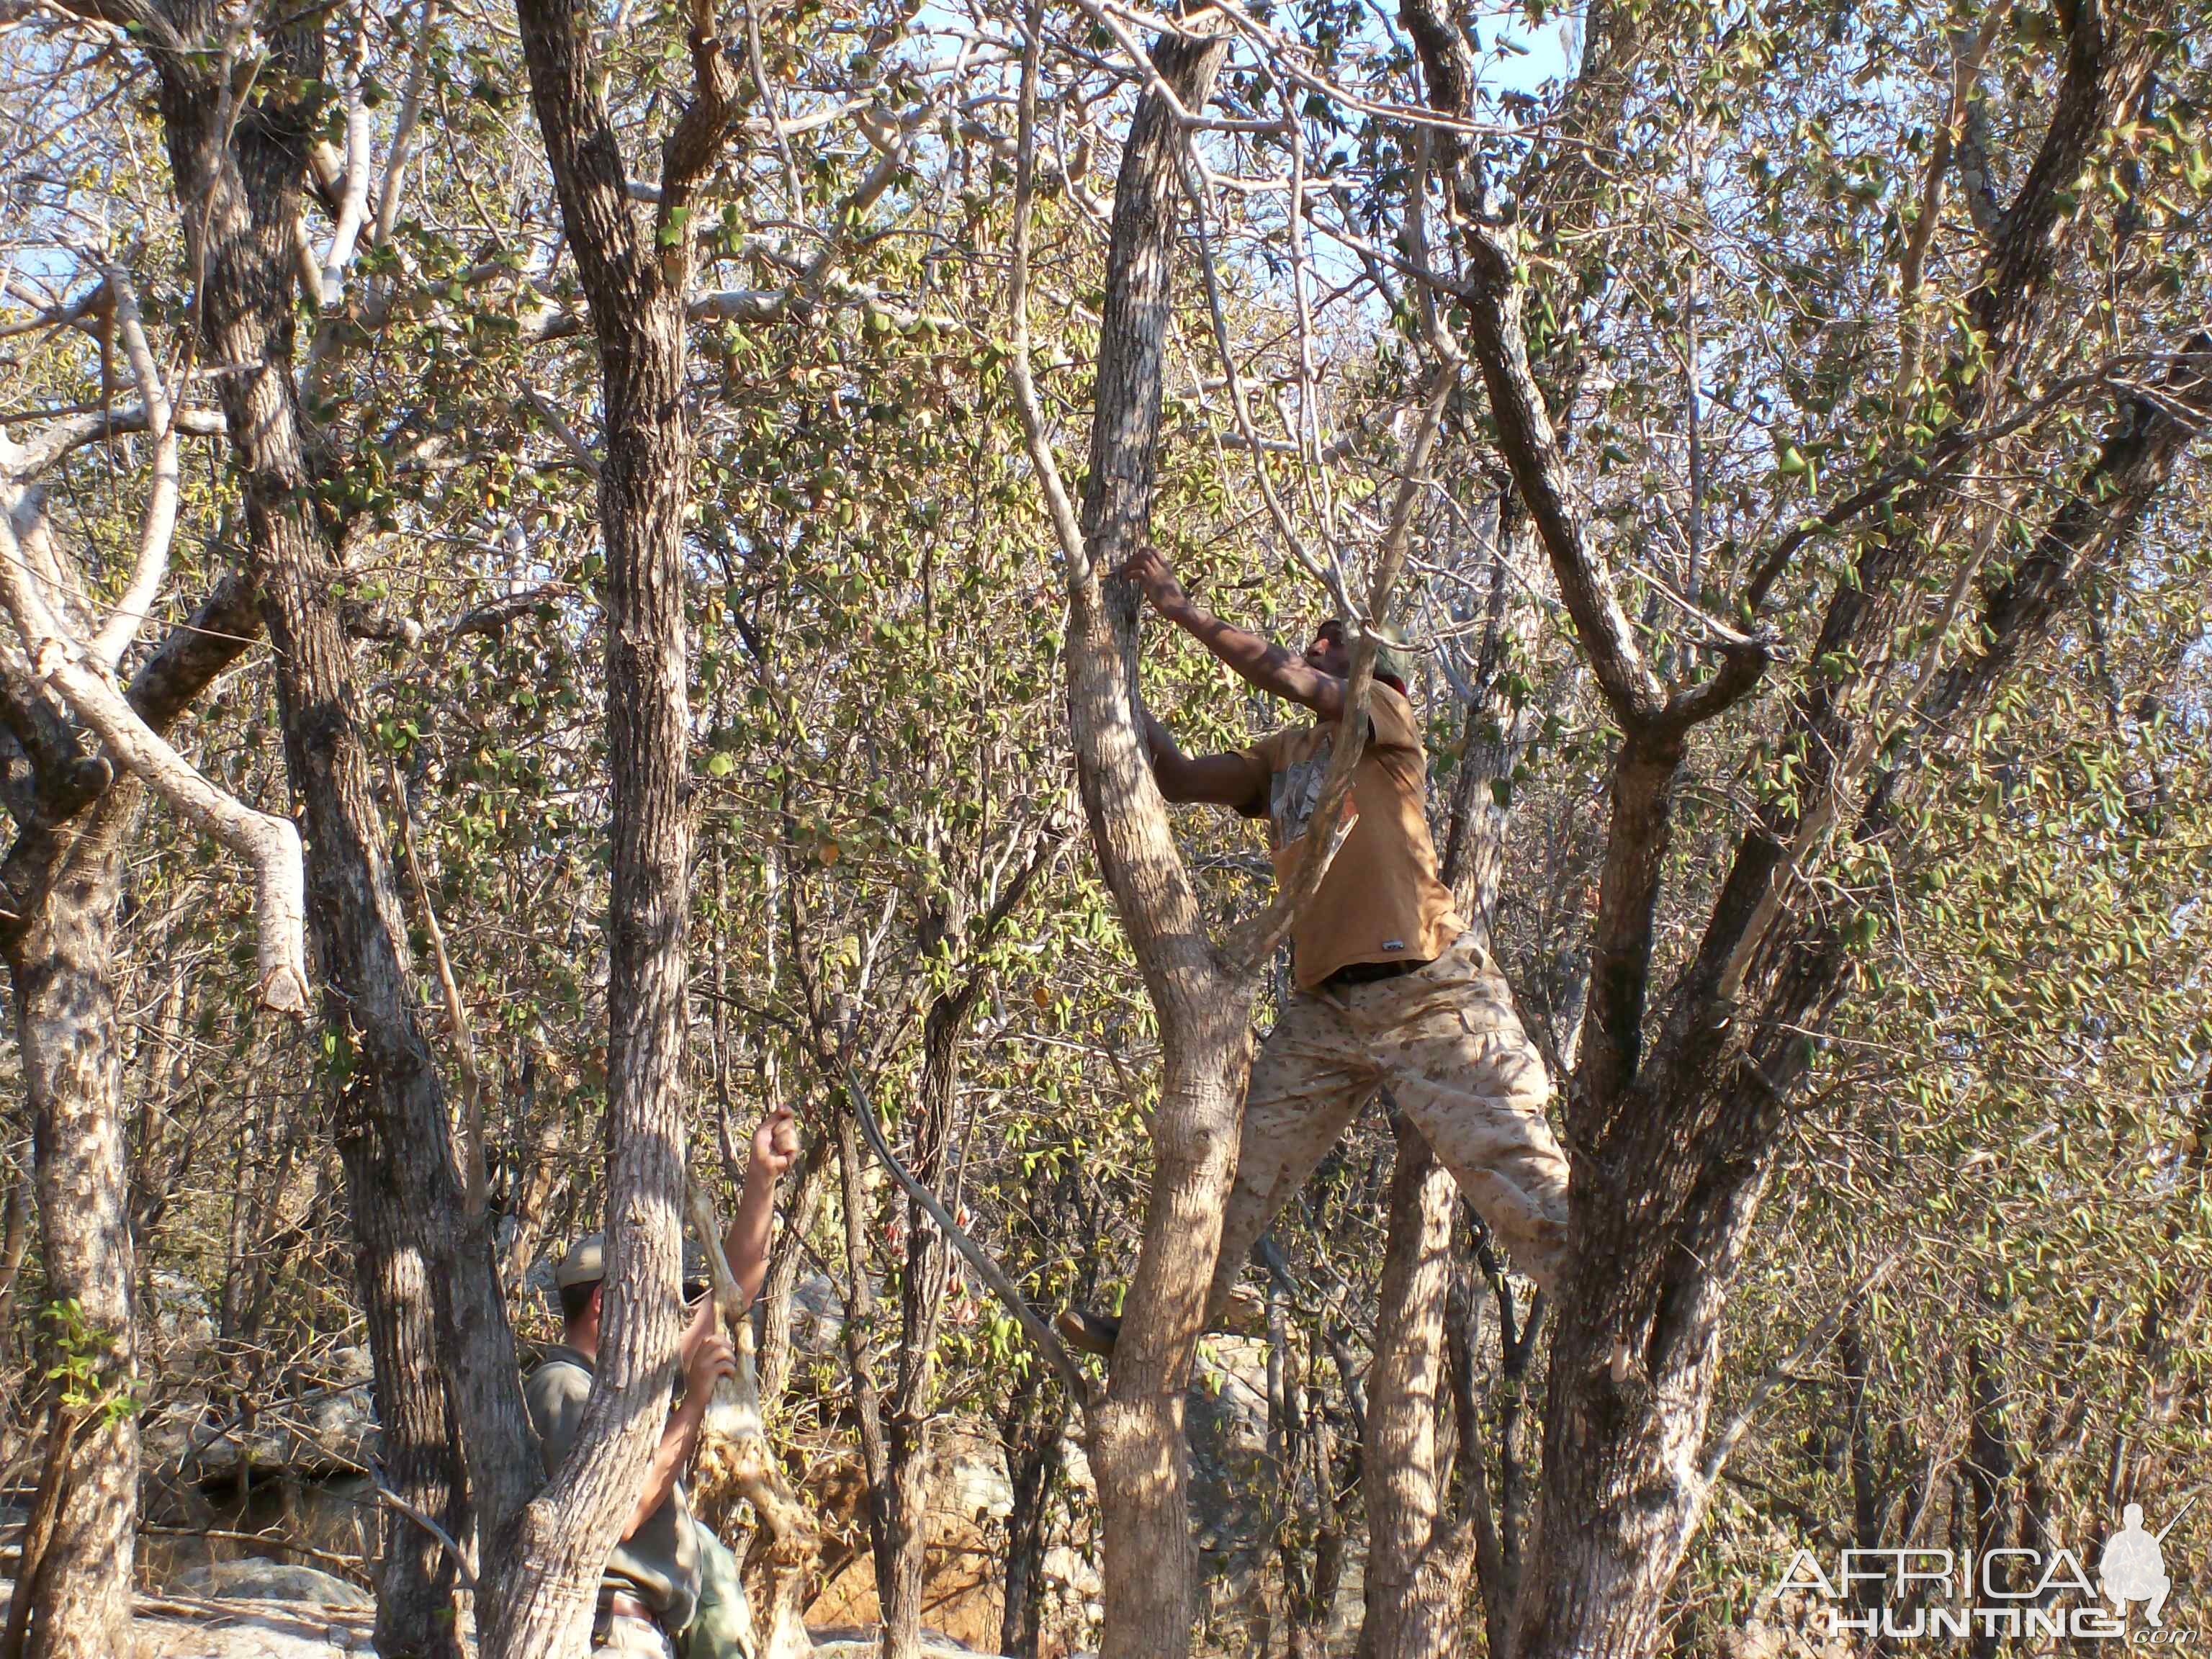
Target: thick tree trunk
239	186
902	1547
63	878
62	964
635	269
644	484
1138	1448
417	1440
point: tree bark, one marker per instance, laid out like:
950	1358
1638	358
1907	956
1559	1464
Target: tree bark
238	185
64	880
1137	1447
1662	1219
1673	1145
635	276
62	963
1419	1557
1030	1429
901	1508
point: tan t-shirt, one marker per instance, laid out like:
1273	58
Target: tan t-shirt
659	1563
1381	900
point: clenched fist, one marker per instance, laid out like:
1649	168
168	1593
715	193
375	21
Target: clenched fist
776	1145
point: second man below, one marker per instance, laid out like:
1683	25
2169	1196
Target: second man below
650	1592
1392	988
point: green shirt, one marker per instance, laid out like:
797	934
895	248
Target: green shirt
660	1562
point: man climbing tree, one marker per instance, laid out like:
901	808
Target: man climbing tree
1391	986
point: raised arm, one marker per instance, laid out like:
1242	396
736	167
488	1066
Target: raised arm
1258	661
776	1145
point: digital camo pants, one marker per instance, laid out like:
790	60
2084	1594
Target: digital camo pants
1446	1041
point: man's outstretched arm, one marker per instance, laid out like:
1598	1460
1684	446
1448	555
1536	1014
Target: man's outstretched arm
1258	661
1217	780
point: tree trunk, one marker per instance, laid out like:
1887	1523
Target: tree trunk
1417	1559
417	1442
1989	1472
903	1544
635	269
1138	1448
1030	1429
62	963
65	878
237	186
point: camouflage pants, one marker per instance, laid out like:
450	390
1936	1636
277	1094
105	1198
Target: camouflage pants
1446	1041
630	1638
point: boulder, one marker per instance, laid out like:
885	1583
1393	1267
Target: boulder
257	1580
252	1629
968	1479
321	1432
859	1642
184	1321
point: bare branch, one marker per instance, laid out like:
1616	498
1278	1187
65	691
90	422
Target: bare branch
1822	1332
157	527
986	1268
457	1012
66	436
271	844
1073	553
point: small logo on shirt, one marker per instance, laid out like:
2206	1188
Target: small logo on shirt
1394	945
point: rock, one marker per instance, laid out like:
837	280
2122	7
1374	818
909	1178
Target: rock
817	1314
183	1320
249	1630
1069	1569
968	1479
256	1580
321	1432
860	1642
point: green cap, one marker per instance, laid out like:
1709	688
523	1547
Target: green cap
585	1264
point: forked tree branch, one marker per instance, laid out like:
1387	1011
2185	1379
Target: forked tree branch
269	843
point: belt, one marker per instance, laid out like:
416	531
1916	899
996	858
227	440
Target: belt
1366	973
621	1604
